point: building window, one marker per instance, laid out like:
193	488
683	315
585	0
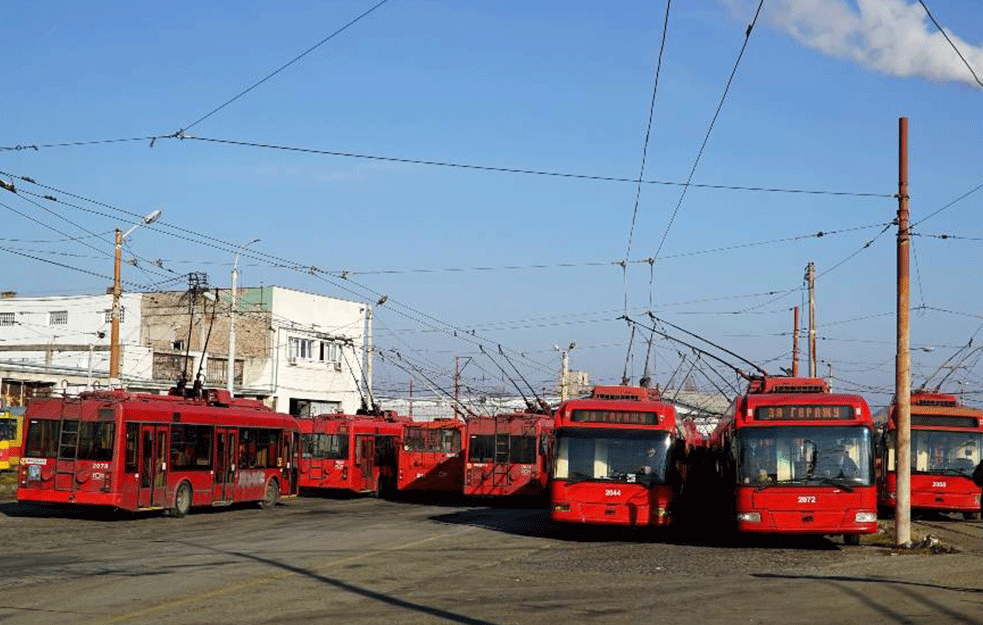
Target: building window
330	352
122	315
58	317
301	348
7	319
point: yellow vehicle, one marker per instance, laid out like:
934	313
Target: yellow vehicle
11	437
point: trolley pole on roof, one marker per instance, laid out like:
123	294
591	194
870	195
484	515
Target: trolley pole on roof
811	279
795	343
902	382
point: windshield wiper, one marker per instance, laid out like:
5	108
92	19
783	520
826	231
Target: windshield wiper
951	471
833	482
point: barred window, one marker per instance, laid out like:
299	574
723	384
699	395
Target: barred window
58	317
7	319
122	315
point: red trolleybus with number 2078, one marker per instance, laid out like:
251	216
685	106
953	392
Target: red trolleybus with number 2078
156	452
615	458
796	458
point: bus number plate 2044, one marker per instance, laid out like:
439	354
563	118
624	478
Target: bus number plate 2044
807	499
612	492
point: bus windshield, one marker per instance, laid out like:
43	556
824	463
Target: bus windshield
441	440
819	455
937	451
612	455
8	429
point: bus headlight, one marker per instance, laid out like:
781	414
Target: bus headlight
749	517
865	517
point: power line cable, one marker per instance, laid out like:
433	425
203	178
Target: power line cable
279	69
648	132
706	139
951	43
949	205
516	170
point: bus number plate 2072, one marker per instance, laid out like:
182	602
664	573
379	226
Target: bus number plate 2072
807	499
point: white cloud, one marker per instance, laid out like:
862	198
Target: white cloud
894	37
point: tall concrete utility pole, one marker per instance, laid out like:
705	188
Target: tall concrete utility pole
114	350
565	369
811	279
230	368
795	343
902	380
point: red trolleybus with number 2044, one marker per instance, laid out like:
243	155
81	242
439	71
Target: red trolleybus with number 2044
796	458
615	460
156	452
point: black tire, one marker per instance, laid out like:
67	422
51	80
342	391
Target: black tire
851	539
182	500
272	495
971	516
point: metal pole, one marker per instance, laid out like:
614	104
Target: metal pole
114	332
564	374
411	398
811	276
795	343
368	349
902	382
230	367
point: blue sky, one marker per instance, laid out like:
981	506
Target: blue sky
548	86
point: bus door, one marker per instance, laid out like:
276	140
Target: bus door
288	460
154	445
365	459
226	450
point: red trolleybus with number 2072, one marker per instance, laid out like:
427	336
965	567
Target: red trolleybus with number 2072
156	452
796	458
615	461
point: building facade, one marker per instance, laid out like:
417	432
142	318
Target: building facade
299	352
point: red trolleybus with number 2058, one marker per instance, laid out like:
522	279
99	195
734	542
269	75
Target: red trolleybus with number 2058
352	453
946	440
156	452
615	459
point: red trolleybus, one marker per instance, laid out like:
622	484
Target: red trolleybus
11	435
616	455
432	456
156	452
508	455
352	453
798	459
946	439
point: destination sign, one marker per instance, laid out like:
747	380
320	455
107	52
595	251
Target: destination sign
614	416
944	421
803	413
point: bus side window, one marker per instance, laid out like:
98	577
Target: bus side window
132	432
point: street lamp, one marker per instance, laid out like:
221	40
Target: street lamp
564	368
147	219
233	309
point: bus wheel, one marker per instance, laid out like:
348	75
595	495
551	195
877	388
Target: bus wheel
271	497
851	539
182	500
969	516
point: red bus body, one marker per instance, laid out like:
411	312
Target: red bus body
508	455
779	449
351	453
137	451
946	439
615	458
431	457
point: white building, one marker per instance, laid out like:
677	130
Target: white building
300	352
